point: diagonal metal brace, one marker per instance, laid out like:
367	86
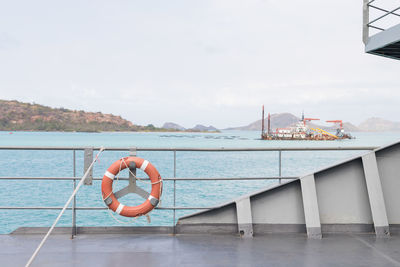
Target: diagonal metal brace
132	187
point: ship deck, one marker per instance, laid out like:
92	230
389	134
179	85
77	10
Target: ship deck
202	250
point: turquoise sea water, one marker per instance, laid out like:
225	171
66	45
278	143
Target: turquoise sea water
189	164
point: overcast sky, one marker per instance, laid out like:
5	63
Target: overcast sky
209	62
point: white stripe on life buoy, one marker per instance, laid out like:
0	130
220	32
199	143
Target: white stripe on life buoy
119	209
109	175
144	165
153	200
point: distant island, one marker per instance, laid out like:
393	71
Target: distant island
19	116
197	128
283	120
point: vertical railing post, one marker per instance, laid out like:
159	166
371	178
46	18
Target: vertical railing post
74	200
174	191
88	158
365	21
280	166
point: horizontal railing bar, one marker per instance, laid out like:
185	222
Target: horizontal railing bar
384	15
99	208
230	178
384	10
371	26
222	149
41	178
184	208
165	179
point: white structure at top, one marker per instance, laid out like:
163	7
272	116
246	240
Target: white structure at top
381	27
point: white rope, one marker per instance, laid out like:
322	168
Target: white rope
65	207
137	178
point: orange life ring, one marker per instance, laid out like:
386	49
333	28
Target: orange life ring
128	211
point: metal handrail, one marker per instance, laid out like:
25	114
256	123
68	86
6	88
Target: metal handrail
194	149
377	28
366	17
98	208
384	15
384	10
165	179
173	208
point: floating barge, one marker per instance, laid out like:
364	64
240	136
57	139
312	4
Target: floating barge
302	131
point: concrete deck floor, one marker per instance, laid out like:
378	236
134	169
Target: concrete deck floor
201	250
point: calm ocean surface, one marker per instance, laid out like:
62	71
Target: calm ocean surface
189	164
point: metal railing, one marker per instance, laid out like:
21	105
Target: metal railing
174	208
369	5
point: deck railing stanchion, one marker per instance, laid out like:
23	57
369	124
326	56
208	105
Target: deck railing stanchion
365	32
280	166
74	200
174	192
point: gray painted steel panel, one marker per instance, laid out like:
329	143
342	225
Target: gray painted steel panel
375	194
342	195
381	39
244	218
348	228
394	229
343	200
223	215
208	228
389	171
310	203
270	228
281	205
385	43
97	230
220	228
